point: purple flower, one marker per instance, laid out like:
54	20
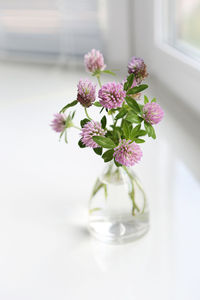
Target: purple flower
153	113
112	95
138	68
58	123
89	130
127	153
86	92
94	61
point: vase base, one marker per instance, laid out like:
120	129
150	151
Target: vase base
121	230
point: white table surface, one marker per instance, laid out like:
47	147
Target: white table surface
45	249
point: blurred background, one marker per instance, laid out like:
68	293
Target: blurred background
63	31
45	252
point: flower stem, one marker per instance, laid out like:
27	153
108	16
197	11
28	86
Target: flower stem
76	127
99	81
87	114
132	193
141	189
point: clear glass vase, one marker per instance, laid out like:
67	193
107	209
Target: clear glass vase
118	210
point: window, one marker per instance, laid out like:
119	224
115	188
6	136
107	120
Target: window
49	30
183	26
170	45
64	30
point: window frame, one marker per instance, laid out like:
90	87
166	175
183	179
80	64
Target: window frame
179	72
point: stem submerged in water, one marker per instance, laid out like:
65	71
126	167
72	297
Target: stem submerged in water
114	175
132	193
141	189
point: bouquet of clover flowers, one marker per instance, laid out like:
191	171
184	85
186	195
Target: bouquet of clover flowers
131	119
116	141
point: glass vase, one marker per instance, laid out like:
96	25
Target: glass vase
118	210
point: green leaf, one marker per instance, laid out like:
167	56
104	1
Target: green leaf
137	89
125	128
101	110
141	132
125	86
73	114
108	72
98	150
117	164
111	111
83	122
109	133
61	134
153	100
133	118
73	103
138	141
117	133
141	108
147	127
153	134
108	155
103	122
121	114
146	100
97	104
150	130
81	145
134	131
104	142
129	82
133	104
130	79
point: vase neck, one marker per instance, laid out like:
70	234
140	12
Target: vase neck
112	173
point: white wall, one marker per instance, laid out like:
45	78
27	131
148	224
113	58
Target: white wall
118	32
